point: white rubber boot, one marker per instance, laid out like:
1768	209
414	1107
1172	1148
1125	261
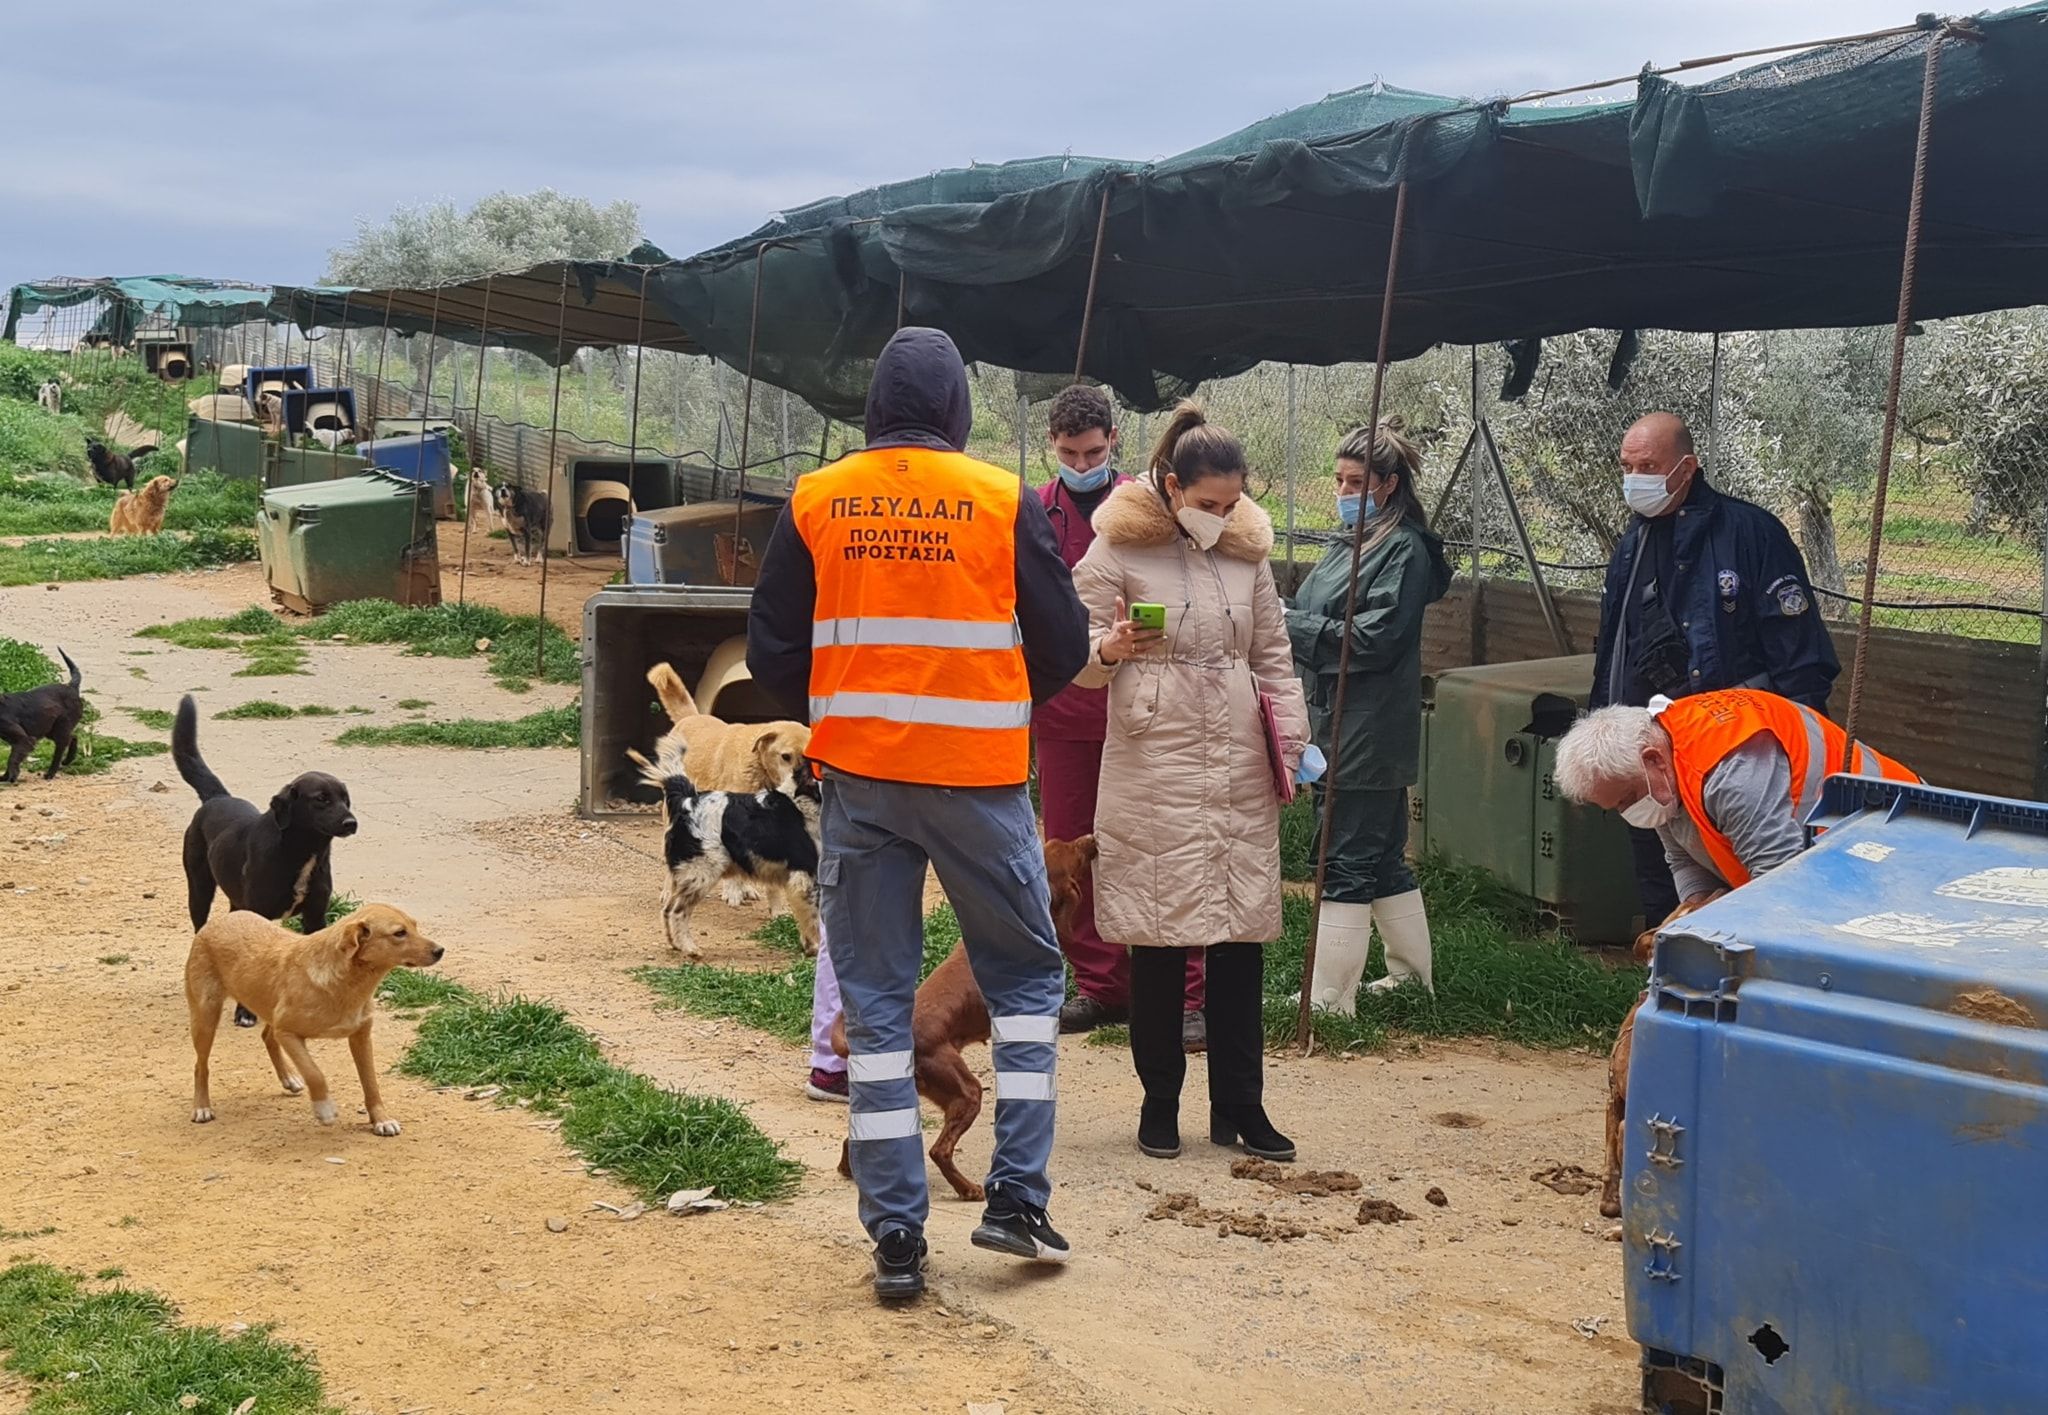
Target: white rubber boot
1404	929
1343	938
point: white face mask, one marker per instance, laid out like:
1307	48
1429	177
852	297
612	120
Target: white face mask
1203	527
1646	495
1649	813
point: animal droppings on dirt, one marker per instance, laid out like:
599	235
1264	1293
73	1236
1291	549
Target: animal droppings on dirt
1438	1198
1459	1120
1383	1211
1188	1209
1313	1184
1567	1179
1991	1005
558	1225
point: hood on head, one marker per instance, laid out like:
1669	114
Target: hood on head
918	396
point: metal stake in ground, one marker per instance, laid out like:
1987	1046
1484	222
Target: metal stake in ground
476	427
1304	1029
739	506
1908	273
540	629
424	490
383	347
633	414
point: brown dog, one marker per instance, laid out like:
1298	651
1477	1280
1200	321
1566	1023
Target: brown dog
949	1014
141	513
726	756
301	988
1618	1059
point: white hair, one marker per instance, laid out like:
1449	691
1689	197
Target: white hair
1605	746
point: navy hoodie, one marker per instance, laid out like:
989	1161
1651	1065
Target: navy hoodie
918	398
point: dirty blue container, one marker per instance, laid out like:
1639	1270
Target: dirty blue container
1837	1139
417	458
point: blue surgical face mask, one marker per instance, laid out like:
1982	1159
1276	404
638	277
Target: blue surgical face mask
1081	483
1347	510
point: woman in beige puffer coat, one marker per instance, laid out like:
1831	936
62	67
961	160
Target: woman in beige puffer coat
1188	820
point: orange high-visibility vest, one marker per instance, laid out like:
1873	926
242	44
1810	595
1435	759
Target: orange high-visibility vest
917	668
1705	728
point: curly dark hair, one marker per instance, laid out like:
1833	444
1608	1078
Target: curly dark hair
1079	408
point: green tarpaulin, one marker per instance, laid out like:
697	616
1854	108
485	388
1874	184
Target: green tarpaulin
1775	198
137	302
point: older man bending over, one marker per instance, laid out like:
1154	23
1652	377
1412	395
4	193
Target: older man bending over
1726	779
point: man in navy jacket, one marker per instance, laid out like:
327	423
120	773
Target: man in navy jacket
1704	591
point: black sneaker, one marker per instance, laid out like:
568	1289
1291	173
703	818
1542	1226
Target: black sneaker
899	1265
1082	1013
1010	1225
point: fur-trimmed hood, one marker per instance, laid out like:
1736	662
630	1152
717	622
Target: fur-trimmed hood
1134	515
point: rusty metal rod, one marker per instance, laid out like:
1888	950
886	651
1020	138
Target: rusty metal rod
633	417
1094	274
424	489
540	629
1304	1026
476	428
739	505
1908	277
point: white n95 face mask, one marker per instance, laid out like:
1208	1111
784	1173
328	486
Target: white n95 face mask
1649	813
1204	528
1645	493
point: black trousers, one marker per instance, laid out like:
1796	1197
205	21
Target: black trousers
1654	888
1233	1008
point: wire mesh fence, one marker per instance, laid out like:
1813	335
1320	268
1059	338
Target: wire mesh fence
1790	420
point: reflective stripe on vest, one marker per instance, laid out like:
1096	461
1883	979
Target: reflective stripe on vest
917	663
1707	727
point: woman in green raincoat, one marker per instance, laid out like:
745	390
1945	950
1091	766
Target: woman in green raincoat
1402	571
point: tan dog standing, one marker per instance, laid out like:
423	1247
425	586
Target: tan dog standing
141	513
300	987
726	756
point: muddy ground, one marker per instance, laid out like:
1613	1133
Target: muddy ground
421	1271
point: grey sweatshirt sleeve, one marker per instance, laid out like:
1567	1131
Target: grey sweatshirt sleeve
1748	797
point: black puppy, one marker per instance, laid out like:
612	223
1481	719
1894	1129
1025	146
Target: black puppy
109	468
274	862
50	711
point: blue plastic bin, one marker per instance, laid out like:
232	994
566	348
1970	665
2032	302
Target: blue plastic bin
1837	1139
417	458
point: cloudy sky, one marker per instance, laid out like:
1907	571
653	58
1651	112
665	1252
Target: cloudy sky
248	147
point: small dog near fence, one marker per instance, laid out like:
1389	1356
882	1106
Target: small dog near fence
51	397
527	518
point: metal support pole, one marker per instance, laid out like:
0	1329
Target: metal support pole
1908	272
1094	274
1293	452
633	414
739	505
902	290
420	444
1559	635
476	423
540	629
1478	491
1714	402
1023	435
1304	1027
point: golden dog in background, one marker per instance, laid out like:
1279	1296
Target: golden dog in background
300	987
725	756
141	513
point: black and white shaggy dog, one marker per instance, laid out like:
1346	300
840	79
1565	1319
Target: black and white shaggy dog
764	838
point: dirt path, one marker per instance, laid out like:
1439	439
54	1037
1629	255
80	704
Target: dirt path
424	1275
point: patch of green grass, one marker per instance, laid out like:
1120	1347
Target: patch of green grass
777	1000
113	960
110	1274
413	704
318	710
122	1350
413	990
442	631
16	1235
655	1140
551	727
339	907
255	710
36	561
55	504
1300	828
1497	974
24	666
155	719
267	660
359	712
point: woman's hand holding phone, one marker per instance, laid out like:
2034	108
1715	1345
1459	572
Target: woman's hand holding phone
1125	638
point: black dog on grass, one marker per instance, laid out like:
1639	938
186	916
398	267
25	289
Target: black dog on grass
110	468
51	711
271	862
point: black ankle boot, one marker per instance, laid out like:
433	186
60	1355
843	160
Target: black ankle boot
1159	1128
1228	1124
